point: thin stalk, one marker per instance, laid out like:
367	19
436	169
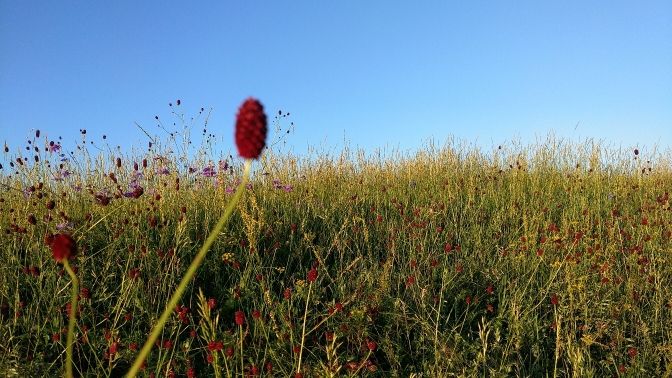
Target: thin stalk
242	362
303	331
71	322
191	271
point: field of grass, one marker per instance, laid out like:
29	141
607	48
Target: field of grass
551	259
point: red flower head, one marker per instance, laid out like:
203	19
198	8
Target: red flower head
250	129
63	247
312	275
240	318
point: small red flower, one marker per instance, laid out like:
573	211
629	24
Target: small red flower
254	370
632	352
371	345
554	300
63	247
215	346
191	373
250	129
228	352
312	275
240	318
256	314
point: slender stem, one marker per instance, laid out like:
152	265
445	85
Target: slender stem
242	362
191	271
303	331
71	322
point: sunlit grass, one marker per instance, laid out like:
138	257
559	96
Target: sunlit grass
548	259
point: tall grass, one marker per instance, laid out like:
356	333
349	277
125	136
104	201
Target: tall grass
551	259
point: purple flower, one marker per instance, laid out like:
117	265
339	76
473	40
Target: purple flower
163	171
64	226
62	174
223	165
277	184
287	188
229	190
209	171
54	147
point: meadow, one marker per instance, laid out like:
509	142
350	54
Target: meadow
549	259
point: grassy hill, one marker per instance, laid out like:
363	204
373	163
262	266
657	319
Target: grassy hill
545	260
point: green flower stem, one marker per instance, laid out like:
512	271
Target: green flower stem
242	361
71	322
303	330
191	271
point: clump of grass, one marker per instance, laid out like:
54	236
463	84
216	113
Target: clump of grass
546	259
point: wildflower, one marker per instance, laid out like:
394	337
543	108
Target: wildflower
134	273
371	345
251	129
228	352
209	171
54	147
312	275
554	300
632	352
239	317
63	247
214	346
254	370
63	226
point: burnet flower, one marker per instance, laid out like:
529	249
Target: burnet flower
250	129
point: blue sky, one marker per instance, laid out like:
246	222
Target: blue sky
374	73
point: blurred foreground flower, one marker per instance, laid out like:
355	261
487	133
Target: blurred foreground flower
250	129
63	247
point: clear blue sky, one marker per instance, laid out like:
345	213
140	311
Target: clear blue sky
377	73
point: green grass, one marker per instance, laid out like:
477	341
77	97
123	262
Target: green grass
544	260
